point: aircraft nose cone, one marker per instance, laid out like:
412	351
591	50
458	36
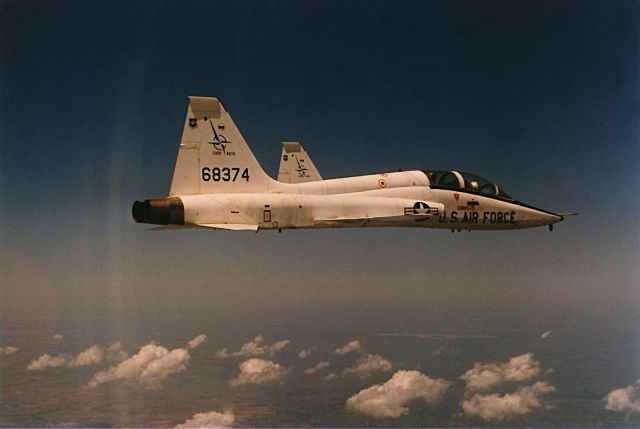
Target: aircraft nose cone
550	219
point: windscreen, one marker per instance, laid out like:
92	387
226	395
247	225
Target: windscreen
466	181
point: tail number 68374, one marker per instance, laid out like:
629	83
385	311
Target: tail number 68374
224	174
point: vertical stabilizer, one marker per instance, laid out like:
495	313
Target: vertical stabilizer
213	156
296	165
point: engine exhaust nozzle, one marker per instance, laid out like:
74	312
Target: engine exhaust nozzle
160	211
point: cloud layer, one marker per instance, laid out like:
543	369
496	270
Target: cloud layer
9	350
352	346
391	399
211	419
495	407
94	355
197	341
148	368
259	371
47	361
319	367
255	348
304	354
624	399
484	376
367	365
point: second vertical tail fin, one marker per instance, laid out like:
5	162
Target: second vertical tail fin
296	165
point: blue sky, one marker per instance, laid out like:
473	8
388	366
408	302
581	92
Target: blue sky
542	97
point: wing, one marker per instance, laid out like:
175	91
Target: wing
403	209
230	226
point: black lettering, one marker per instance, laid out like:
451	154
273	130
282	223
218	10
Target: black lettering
443	217
493	217
513	217
215	174
485	215
226	174
465	219
454	216
206	176
474	217
500	217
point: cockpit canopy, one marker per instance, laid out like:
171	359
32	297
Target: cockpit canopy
465	182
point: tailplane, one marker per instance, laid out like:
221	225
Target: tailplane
296	165
213	156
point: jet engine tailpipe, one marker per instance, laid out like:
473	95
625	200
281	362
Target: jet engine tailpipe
160	211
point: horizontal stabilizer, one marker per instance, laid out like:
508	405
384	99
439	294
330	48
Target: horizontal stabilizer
230	226
567	214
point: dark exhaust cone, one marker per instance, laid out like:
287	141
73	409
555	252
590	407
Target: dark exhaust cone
161	211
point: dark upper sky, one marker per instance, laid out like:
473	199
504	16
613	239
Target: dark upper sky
536	94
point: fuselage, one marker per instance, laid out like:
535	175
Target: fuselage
379	200
218	183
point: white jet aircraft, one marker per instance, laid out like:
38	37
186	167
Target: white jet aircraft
218	183
296	165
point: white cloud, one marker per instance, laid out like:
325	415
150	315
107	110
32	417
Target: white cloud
391	399
148	368
322	365
495	407
255	348
211	419
624	399
197	341
91	356
47	361
115	354
9	350
304	354
545	335
484	376
58	336
259	371
352	346
94	355
367	365
331	376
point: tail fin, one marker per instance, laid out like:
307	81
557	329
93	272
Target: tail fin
296	165
213	156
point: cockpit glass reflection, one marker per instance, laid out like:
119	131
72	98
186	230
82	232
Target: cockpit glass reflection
466	181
